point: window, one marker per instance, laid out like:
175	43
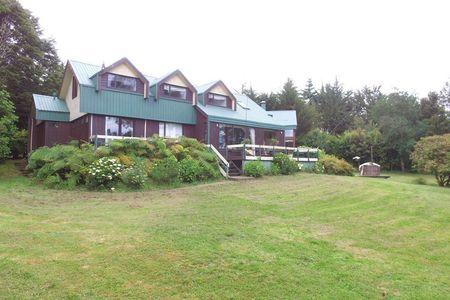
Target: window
112	126
170	130
289	133
126	127
74	87
121	82
175	91
219	100
222	142
118	126
234	135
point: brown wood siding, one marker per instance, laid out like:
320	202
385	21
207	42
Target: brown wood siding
79	129
39	135
104	84
189	93
189	131
152	128
98	124
57	133
200	127
138	127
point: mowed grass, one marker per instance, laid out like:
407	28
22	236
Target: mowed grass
302	236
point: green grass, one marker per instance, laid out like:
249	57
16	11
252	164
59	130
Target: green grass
302	236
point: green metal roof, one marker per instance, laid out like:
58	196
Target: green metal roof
49	108
248	113
107	102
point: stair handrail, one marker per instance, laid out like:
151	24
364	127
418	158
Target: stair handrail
222	161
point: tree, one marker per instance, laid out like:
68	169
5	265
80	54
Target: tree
397	117
334	106
8	127
432	155
249	92
288	96
28	63
444	97
433	114
309	92
306	117
363	101
272	102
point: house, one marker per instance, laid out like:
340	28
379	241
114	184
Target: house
108	102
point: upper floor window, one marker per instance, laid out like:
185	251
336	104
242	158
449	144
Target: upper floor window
122	82
174	91
74	87
219	100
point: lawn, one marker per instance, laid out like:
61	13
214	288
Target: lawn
301	236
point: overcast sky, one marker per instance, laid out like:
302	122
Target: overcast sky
396	44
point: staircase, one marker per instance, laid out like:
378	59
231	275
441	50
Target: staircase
21	166
234	170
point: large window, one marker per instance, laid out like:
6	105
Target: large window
173	91
118	126
170	130
219	100
122	82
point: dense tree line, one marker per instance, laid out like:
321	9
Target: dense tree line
28	62
351	123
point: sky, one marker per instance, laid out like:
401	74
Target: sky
396	44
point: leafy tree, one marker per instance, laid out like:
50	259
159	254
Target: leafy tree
272	102
363	101
8	127
433	114
28	62
335	108
397	117
432	155
288	96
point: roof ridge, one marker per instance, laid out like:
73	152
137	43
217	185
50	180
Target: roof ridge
82	62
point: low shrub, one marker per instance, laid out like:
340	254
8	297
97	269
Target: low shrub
335	166
274	170
208	171
189	170
105	172
254	168
285	164
62	162
166	170
135	176
420	180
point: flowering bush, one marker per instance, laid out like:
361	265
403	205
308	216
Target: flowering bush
105	172
135	176
287	166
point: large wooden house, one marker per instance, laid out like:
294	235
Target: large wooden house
119	100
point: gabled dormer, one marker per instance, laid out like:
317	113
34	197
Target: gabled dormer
174	86
216	94
122	76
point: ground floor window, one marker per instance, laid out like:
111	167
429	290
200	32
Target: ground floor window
115	126
230	135
170	130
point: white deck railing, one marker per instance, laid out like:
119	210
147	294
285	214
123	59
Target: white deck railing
266	152
224	165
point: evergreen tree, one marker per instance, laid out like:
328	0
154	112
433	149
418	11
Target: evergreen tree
432	112
249	92
28	63
288	96
334	106
309	92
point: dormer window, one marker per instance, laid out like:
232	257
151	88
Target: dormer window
218	100
120	82
174	91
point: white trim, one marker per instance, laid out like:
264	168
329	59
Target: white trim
145	128
90	127
31	135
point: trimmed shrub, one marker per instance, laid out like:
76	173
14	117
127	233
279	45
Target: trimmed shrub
166	170
274	170
254	168
189	170
287	166
105	172
335	166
